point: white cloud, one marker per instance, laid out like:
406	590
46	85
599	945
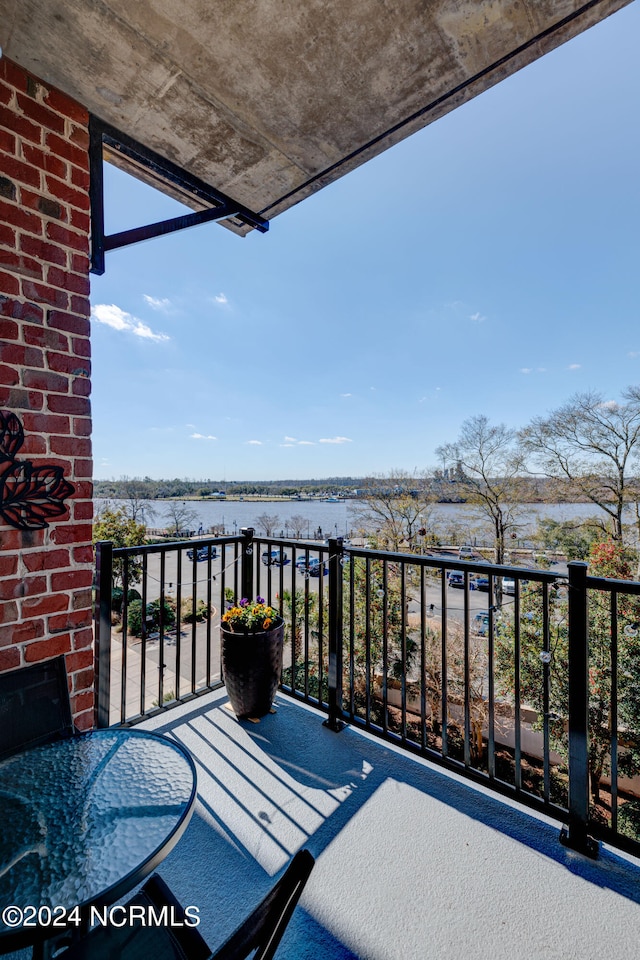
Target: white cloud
525	370
477	317
290	440
633	354
306	443
336	440
255	443
157	303
221	298
112	316
346	394
574	366
608	405
202	436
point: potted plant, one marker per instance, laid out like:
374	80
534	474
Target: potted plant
252	635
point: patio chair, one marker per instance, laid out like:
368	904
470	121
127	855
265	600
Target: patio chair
34	706
257	937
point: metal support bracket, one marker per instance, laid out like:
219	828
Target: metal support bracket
218	206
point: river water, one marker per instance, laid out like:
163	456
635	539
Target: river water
343	518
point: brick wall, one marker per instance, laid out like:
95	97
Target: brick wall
46	575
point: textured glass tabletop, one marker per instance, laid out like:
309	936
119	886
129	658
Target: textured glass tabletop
83	820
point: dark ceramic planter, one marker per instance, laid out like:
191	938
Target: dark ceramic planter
251	668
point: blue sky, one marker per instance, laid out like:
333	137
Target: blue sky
487	265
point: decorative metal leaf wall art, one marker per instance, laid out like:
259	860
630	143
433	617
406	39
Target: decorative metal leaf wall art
29	496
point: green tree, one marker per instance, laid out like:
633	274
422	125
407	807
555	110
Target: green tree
115	525
397	507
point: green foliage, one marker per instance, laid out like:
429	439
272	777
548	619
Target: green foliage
117	595
187	614
116	525
571	538
155	613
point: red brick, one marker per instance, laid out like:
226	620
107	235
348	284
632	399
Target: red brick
80	263
70	447
43	205
7	235
14	214
49	252
21	539
40	114
83	510
67	281
80	136
63	363
45	380
21	172
82	427
21	126
83	599
80	178
84	491
13	75
81	347
20	310
71	322
83	469
34	446
82	702
81	221
9	330
84	721
23	356
18	399
9	284
72	579
69	620
8	143
6	93
8	565
22	587
9	658
45	423
69	238
43	606
83	639
41	337
72	533
43	293
70	195
44	649
65	105
44	161
18	263
67	150
46	560
81	387
77	406
83	679
80	660
80	305
8	376
9	612
21	632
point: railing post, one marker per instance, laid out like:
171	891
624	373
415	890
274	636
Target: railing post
102	630
336	553
576	835
246	570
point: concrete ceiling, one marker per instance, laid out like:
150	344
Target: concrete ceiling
270	100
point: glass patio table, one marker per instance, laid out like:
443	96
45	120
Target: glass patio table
82	822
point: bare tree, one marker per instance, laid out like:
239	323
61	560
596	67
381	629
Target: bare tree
488	473
182	517
397	506
268	523
298	522
588	446
135	493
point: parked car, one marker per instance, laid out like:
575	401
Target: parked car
481	583
276	557
455	578
202	553
316	568
481	623
509	585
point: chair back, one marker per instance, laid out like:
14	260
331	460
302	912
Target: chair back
34	706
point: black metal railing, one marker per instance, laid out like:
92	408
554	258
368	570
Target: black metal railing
516	678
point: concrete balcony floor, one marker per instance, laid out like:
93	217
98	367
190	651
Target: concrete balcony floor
411	862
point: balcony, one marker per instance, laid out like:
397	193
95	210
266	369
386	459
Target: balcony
412	861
